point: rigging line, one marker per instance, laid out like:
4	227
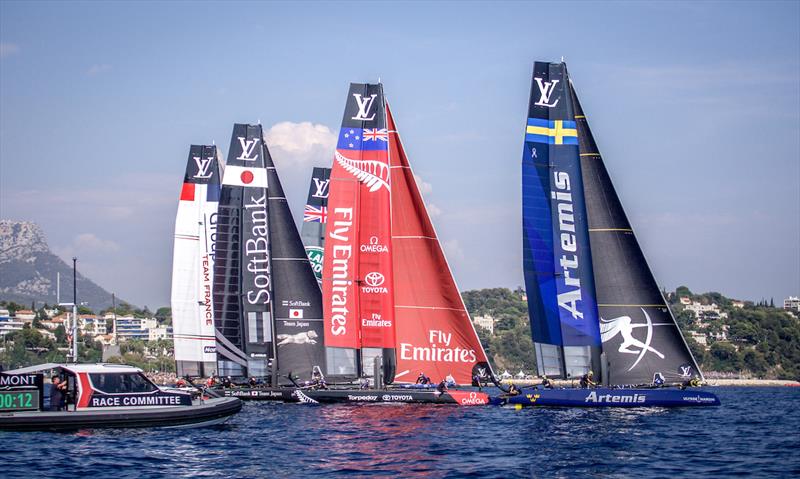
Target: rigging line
427	307
633	305
589	154
414	237
610	229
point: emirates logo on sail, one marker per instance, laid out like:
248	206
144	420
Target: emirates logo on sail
372	173
439	349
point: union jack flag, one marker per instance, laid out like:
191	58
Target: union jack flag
375	134
313	214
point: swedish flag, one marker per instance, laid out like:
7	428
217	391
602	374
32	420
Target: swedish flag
552	132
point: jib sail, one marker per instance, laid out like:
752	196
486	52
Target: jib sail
296	296
640	337
557	259
193	263
357	271
435	335
243	305
315	215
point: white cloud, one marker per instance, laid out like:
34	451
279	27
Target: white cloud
453	250
8	49
433	210
98	69
424	187
303	142
86	244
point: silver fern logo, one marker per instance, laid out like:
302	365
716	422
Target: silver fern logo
624	326
373	173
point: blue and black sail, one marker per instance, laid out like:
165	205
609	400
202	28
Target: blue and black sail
556	253
639	334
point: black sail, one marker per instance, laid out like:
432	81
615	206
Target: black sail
315	215
297	298
639	334
242	280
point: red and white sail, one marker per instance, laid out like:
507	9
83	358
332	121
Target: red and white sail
434	333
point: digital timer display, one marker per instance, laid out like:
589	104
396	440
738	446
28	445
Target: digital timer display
19	400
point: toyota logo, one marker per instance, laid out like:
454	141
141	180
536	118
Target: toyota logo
374	279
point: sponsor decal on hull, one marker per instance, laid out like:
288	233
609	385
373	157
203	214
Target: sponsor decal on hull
593	397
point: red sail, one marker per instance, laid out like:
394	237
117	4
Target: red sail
357	272
434	331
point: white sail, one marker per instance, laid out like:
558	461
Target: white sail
193	264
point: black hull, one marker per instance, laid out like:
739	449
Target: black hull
211	412
260	394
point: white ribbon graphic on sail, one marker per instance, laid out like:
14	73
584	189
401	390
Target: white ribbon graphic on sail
623	325
372	173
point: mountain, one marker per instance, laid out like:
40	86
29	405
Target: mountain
28	270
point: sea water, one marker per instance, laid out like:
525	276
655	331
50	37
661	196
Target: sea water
756	433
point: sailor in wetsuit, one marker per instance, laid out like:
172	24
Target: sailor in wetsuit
423	379
252	382
546	382
587	380
512	390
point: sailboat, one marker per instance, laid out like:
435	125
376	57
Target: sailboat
593	302
193	263
315	215
267	301
392	310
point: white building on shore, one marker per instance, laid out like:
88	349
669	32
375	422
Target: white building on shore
792	303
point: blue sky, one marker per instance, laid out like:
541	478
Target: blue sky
695	106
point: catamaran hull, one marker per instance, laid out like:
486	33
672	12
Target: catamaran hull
606	397
410	396
210	412
260	394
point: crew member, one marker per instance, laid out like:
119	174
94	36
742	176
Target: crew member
658	380
252	382
512	390
227	383
210	382
587	380
451	381
423	379
476	381
546	382
442	387
180	383
58	394
364	384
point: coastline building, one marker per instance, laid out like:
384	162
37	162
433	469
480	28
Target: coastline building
485	322
160	332
25	315
792	302
8	324
91	325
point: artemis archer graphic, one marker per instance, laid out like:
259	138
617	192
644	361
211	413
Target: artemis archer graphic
623	326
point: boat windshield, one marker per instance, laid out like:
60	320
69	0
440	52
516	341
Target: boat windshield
121	383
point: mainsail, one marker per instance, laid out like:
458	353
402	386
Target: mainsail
639	334
315	217
386	283
435	335
296	296
193	263
357	271
242	280
557	260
